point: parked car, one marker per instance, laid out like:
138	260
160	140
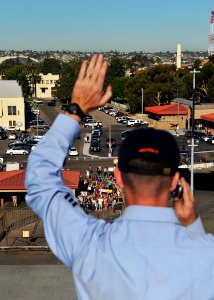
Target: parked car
3	135
92	123
12	136
207	137
86	118
95	135
95	146
122	118
34	122
197	134
13	128
95	139
211	140
52	103
17	150
144	125
73	152
131	122
112	141
125	120
18	144
40	126
37	101
102	107
97	131
35	111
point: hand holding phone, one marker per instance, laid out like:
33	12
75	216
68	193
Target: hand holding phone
185	204
178	192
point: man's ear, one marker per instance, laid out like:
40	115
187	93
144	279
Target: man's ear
118	177
174	182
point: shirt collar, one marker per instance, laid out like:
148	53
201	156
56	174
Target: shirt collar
150	214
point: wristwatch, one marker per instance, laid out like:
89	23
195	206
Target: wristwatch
74	109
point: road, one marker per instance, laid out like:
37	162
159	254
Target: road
110	127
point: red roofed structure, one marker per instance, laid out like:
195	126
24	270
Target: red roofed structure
168	116
12	183
208	117
170	109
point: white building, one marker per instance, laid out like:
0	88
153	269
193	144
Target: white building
12	108
44	89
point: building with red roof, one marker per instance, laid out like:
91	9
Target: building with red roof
12	183
178	114
169	116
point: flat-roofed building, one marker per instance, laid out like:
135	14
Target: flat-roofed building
44	89
12	108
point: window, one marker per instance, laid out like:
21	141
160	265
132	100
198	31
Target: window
43	81
11	110
51	81
12	123
43	90
47	81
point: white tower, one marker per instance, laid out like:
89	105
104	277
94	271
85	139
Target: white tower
211	36
178	56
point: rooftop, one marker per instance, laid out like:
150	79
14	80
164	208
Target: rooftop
10	89
14	180
170	109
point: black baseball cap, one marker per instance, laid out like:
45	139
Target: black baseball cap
157	148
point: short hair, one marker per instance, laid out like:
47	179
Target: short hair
138	183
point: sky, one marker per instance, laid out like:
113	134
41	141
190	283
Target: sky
101	25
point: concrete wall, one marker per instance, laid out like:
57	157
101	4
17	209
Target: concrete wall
47	83
20	112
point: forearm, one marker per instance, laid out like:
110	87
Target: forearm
46	161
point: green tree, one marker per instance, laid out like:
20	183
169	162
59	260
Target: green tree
119	86
211	58
178	87
203	78
133	92
32	70
18	73
210	93
116	69
67	78
50	65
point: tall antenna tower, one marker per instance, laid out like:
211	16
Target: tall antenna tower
211	36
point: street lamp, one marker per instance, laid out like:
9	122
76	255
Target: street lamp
142	101
37	121
109	144
193	125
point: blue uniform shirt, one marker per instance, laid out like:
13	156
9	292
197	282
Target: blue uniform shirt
145	254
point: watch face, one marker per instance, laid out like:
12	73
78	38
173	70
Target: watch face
74	109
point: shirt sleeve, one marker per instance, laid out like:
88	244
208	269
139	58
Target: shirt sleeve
68	229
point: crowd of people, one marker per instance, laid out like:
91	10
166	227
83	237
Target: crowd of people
99	191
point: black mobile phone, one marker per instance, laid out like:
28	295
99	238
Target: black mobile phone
177	193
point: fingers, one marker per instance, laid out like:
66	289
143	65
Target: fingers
102	74
107	95
187	194
90	70
185	208
83	70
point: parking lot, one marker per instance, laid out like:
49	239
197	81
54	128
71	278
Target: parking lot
111	128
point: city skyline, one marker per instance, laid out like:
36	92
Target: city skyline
104	26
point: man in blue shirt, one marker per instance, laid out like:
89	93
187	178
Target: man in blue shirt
152	251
